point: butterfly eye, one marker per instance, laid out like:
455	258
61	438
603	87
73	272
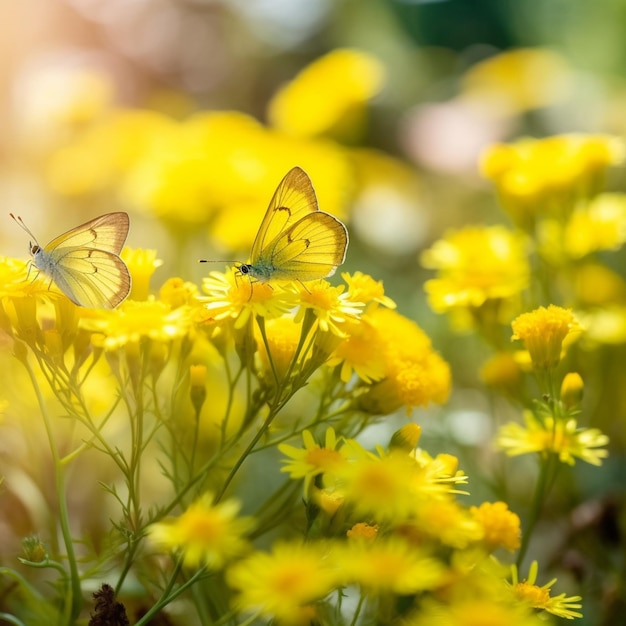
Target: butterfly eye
34	248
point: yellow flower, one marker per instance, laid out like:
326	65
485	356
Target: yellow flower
406	438
599	226
561	437
528	592
312	460
541	177
572	390
543	332
284	583
363	288
394	486
206	534
472	610
414	375
283	336
328	95
232	297
141	265
176	292
501	527
388	565
476	264
360	353
519	80
133	321
362	532
331	305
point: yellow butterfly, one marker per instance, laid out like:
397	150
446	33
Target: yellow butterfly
84	262
296	241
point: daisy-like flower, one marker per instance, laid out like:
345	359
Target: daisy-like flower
474	265
207	535
393	487
233	297
285	583
332	306
501	527
561	437
312	460
529	592
388	565
543	332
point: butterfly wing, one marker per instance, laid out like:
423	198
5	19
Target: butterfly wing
84	261
293	199
310	249
91	278
107	232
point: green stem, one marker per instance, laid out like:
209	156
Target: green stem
541	490
75	600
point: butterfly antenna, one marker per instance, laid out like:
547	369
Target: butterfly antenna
20	222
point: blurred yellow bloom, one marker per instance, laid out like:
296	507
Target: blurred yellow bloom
599	226
547	177
328	96
283	336
388	566
444	522
141	265
406	438
598	285
606	325
501	527
572	390
132	321
561	437
285	582
207	535
519	80
543	332
537	597
474	265
362	532
474	609
98	157
175	292
503	372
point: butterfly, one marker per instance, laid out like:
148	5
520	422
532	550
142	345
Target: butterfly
296	241
84	262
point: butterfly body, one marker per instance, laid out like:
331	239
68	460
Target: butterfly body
84	262
296	241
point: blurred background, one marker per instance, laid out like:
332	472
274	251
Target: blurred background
187	113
